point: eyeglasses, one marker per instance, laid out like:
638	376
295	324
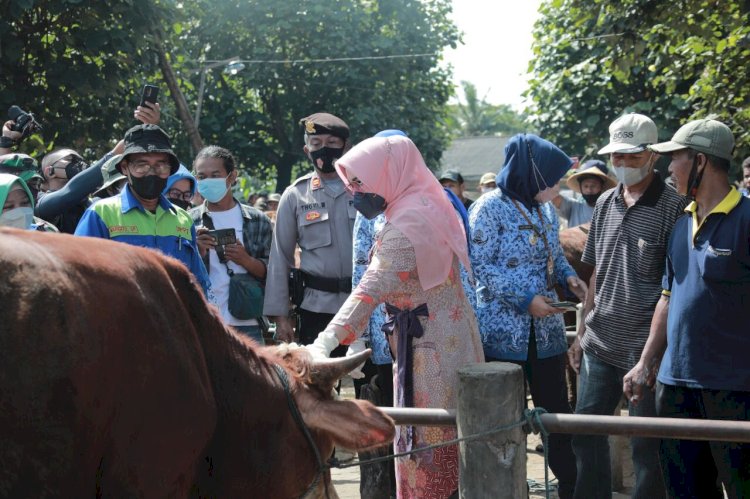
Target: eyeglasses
354	186
142	167
178	194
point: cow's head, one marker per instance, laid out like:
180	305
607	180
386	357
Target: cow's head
351	424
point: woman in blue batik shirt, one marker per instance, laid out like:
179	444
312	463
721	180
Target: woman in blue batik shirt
517	260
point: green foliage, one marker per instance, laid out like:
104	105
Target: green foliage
671	60
475	117
79	65
264	103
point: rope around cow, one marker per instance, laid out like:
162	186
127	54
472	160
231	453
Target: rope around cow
531	422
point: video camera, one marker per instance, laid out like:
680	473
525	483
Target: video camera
24	122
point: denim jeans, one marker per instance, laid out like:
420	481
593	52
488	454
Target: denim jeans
691	467
599	392
253	332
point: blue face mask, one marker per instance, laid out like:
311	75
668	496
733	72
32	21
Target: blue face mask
213	190
369	205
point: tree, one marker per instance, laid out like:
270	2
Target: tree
474	116
79	65
256	112
671	60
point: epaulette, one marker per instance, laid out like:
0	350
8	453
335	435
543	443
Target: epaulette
302	178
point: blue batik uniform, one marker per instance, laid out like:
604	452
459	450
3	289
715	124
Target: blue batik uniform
510	271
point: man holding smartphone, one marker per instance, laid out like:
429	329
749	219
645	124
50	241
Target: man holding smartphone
232	237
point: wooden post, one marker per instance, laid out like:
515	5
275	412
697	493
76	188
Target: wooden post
491	395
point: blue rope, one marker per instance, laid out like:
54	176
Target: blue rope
535	425
531	423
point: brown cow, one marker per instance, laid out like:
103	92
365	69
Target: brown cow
573	241
117	379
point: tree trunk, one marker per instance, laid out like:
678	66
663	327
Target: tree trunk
179	99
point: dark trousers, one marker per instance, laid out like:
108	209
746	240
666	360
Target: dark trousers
546	379
691	467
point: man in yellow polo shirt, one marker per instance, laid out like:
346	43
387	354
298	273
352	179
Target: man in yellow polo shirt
699	331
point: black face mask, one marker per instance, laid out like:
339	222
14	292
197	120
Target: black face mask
323	158
591	198
76	166
148	186
369	205
185	205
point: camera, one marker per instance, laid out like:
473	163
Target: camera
24	122
222	238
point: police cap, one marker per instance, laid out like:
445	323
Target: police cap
325	123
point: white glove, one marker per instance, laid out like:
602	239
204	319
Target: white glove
355	348
323	345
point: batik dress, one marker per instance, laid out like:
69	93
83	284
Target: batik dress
440	326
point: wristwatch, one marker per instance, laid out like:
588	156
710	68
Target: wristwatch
6	142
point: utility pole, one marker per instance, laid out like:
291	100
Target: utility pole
196	141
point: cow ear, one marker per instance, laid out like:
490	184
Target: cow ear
352	424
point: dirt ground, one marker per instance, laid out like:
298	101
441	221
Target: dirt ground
346	481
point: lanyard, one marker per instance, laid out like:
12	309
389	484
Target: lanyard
533	240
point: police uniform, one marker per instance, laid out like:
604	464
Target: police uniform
318	215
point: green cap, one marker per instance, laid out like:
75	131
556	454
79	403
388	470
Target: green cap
18	162
22	166
706	136
110	173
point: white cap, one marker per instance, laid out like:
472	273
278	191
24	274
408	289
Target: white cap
630	133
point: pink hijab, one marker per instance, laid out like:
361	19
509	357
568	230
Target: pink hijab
393	168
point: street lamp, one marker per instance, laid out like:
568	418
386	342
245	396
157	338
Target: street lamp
232	66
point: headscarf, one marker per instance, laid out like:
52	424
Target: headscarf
181	173
7	183
393	168
519	179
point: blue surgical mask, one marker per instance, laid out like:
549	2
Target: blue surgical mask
213	189
20	218
369	205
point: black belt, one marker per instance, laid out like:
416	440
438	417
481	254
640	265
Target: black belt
328	284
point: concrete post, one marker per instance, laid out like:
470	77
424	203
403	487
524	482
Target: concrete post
491	395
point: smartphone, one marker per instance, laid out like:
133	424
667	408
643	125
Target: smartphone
567	305
150	94
222	238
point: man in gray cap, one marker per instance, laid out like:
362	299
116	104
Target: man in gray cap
626	245
453	180
140	214
316	213
699	330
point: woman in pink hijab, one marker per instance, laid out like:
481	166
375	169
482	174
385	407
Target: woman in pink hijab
414	270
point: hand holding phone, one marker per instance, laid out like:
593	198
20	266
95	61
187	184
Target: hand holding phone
565	305
222	238
150	94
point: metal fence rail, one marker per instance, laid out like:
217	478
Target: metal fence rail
691	429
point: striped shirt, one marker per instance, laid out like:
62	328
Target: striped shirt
628	247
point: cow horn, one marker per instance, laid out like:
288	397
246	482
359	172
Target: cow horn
326	373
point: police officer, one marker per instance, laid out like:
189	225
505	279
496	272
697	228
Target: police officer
315	212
